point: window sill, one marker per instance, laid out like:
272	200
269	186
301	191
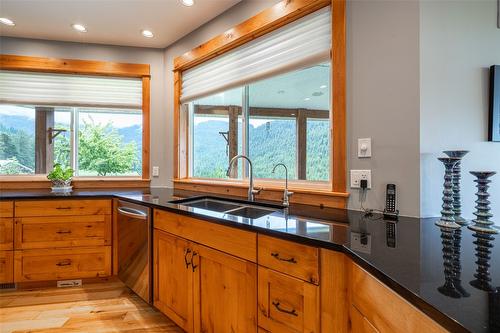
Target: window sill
310	193
40	181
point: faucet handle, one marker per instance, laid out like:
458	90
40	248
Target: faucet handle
256	190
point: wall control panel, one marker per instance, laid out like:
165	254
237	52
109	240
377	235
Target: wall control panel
365	148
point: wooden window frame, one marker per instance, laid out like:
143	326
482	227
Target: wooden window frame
332	194
86	67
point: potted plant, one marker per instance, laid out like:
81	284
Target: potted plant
61	178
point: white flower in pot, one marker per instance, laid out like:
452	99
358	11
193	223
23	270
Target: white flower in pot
61	178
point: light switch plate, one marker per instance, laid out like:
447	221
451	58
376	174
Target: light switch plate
156	171
365	148
357	175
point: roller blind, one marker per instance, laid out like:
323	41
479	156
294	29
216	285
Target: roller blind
304	42
70	90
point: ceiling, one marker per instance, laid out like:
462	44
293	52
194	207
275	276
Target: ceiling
114	22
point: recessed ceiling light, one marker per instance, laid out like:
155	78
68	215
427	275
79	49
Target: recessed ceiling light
307	99
323	86
79	27
187	3
147	33
6	21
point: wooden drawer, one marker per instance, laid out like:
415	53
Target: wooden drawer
60	264
297	260
287	304
62	207
6	208
6	266
384	309
234	241
6	233
62	231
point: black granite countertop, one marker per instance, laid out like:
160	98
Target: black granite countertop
408	256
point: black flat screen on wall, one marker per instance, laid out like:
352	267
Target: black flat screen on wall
494	123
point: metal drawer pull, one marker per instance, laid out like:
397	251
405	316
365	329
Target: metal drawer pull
188	251
193	266
277	256
65	262
292	312
131	212
63	207
63	232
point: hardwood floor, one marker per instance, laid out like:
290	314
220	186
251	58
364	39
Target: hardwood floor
99	308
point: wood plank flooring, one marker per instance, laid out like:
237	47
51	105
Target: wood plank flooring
99	307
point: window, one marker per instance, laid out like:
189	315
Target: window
288	122
93	141
216	133
93	124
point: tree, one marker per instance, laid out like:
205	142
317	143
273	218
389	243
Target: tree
62	148
101	149
7	148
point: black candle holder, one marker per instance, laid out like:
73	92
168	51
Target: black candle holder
482	222
448	288
457	176
483	244
447	213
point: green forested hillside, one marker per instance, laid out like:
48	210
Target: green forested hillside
271	143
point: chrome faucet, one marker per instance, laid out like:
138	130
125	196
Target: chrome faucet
251	191
287	194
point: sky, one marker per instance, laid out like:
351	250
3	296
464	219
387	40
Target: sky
120	119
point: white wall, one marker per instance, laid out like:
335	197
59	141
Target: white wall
459	42
235	15
153	57
383	98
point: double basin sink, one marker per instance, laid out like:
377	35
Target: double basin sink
250	210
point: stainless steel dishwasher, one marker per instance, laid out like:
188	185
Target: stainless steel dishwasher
134	233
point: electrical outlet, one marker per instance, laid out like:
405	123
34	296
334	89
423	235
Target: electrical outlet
357	175
156	171
361	242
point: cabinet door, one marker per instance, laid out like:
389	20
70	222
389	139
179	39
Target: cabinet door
6	266
287	304
225	292
359	323
173	283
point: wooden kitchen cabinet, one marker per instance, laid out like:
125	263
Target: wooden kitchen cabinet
298	260
173	278
359	323
62	231
382	308
287	304
6	233
60	239
225	292
6	266
202	289
61	264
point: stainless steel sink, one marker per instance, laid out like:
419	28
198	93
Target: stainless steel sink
243	209
208	204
